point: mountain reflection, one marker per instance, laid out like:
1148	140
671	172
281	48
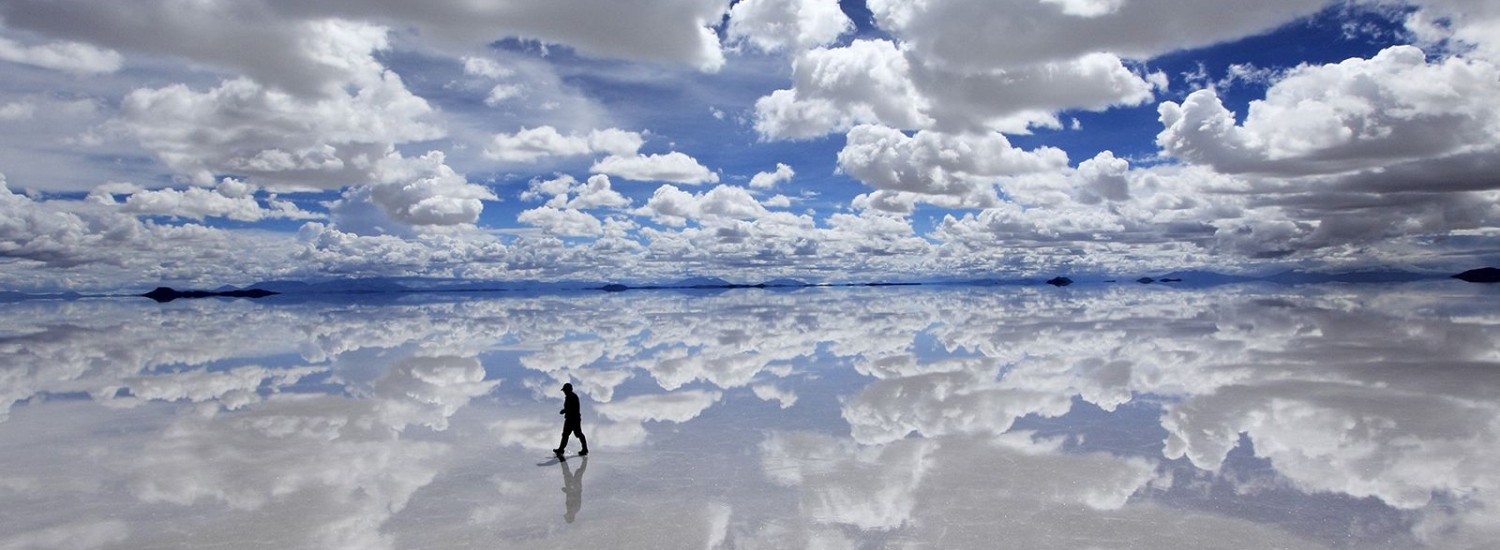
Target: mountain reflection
1117	416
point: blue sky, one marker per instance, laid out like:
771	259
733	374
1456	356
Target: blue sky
228	142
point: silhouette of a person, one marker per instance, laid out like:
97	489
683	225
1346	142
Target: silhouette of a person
573	488
572	422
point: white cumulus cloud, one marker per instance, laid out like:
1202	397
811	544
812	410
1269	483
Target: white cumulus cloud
282	139
533	144
868	81
773	25
1360	113
674	167
230	198
562	222
935	163
767	180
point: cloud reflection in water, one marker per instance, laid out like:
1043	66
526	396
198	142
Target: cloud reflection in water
1119	416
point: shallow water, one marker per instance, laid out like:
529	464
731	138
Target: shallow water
1112	416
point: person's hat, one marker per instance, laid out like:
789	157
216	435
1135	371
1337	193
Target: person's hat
568	386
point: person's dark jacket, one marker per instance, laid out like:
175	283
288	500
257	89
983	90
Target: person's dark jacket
570	407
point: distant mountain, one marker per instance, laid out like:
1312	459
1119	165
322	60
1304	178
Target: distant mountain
784	283
1481	275
1059	281
702	282
166	294
282	287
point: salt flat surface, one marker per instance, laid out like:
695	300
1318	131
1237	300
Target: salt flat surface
1119	416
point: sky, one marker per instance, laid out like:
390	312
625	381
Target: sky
209	142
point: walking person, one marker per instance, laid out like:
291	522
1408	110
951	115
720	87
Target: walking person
572	422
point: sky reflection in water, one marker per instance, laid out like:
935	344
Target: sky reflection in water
1117	416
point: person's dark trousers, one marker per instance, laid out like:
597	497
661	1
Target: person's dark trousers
573	426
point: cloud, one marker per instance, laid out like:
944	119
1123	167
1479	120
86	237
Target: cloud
933	163
562	222
17	110
925	404
427	391
1105	177
970	36
1463	26
890	83
407	193
1016	99
71	57
299	48
533	144
868	81
502	93
774	25
302	56
45	128
596	193
677	407
673	167
767	180
230	198
770	392
673	206
280	140
252	462
234	388
425	191
486	67
1365	151
76	534
675	31
67	234
323	247
869	488
1337	438
1087	8
1357	114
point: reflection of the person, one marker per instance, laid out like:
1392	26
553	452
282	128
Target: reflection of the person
573	487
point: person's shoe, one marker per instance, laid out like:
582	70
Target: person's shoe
557	452
584	452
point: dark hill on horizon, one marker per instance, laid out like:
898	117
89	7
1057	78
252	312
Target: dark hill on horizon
166	294
1481	275
701	282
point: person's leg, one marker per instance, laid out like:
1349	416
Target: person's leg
578	429
564	445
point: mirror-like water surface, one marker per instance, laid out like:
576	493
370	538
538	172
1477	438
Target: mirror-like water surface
1107	417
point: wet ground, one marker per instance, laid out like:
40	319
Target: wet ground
1117	416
